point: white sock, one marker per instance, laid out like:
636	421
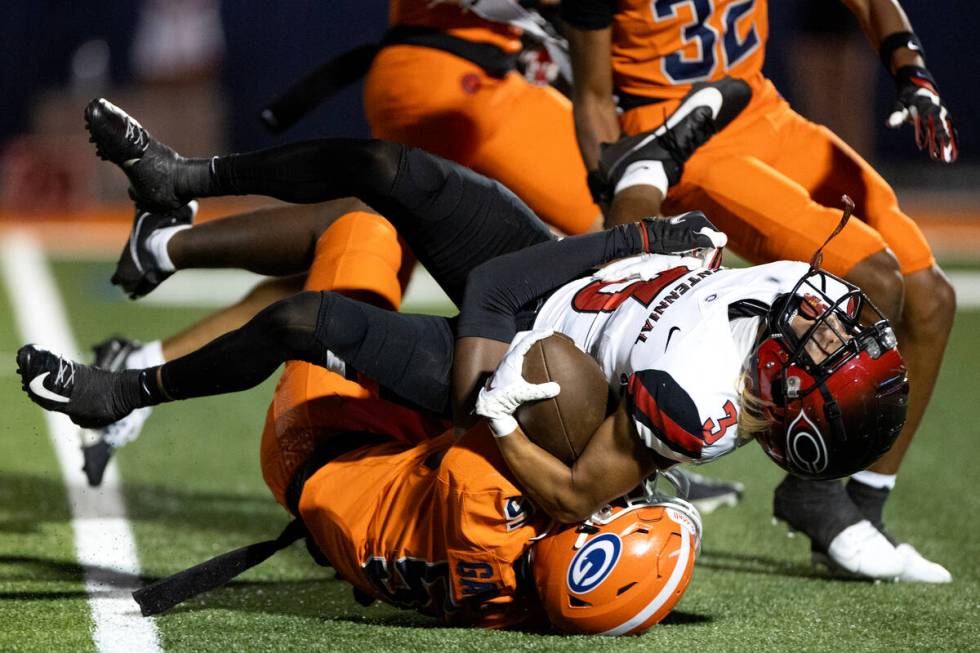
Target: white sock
157	243
876	480
149	355
644	173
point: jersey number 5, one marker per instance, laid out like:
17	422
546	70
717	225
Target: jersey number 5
683	70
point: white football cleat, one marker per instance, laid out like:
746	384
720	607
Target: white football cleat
98	445
920	570
861	550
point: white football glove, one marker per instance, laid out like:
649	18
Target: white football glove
507	389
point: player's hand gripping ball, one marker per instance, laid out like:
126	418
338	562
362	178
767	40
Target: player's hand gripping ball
556	391
564	424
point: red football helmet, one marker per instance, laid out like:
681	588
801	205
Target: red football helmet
836	391
620	572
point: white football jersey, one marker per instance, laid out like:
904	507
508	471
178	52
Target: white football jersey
667	344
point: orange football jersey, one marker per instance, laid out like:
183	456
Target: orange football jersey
451	18
661	47
438	527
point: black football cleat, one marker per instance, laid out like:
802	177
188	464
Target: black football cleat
137	271
841	539
82	392
705	110
96	457
708	494
98	445
150	165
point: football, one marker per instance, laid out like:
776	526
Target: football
562	426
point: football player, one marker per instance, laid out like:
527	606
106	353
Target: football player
770	179
444	80
439	82
412	515
475	236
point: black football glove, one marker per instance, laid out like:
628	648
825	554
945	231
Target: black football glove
919	103
687	232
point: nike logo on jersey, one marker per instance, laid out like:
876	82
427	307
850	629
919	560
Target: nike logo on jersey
37	387
670	334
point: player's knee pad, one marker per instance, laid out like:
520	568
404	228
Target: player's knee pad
359	255
290	324
374	163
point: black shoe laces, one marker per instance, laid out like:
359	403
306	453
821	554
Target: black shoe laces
135	134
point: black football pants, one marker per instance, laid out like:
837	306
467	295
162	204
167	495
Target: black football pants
453	219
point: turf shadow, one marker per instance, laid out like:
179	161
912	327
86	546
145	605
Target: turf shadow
765	565
45	569
29	500
323	599
44	596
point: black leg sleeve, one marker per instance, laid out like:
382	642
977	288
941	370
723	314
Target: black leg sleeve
410	356
245	357
453	218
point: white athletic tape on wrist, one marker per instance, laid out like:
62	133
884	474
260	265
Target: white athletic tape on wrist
644	173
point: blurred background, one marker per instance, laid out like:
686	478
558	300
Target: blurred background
197	72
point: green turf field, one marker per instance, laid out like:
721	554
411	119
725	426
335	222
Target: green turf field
193	489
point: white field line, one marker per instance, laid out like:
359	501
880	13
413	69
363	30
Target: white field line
214	288
103	539
967	285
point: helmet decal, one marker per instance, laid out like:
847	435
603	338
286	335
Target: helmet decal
593	563
805	445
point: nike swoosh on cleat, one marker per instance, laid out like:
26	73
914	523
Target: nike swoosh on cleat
37	387
709	97
134	242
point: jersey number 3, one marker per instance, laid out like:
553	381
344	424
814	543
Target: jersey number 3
599	296
683	70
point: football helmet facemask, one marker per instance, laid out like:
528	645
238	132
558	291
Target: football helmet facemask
834	390
620	572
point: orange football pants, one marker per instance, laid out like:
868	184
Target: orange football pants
772	180
507	129
359	254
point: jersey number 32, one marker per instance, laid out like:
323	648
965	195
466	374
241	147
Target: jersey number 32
681	69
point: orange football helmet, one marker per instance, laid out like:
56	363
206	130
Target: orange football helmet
621	571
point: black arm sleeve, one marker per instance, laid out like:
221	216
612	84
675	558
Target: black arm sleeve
588	14
498	289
